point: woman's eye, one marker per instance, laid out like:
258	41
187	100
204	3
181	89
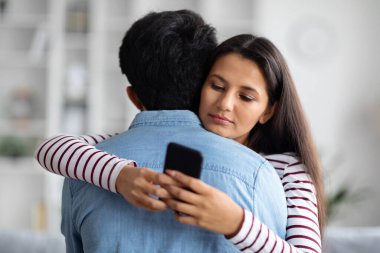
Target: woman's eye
216	87
246	98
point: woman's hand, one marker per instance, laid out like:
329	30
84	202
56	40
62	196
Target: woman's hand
139	187
204	205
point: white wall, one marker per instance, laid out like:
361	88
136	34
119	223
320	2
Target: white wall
332	50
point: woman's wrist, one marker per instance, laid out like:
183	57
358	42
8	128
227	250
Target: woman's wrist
237	228
123	174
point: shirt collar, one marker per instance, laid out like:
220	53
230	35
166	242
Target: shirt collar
166	118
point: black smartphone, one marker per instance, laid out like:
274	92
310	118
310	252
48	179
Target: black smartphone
183	159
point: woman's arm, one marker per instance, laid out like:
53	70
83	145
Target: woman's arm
251	236
75	157
302	231
302	234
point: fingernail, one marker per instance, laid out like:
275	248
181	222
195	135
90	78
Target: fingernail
170	172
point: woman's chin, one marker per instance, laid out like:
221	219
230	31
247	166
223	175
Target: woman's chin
217	130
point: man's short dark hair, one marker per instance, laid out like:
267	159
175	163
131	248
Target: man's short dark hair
164	56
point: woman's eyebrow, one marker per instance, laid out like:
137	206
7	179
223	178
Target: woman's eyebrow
224	81
249	88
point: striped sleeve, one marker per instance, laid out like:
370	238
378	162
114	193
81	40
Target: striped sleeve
75	157
302	234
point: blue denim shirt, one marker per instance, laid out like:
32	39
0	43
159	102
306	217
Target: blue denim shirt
95	220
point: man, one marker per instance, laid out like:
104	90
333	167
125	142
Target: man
164	56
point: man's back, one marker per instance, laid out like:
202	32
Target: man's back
105	222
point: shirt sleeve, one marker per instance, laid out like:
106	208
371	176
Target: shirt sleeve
302	233
75	157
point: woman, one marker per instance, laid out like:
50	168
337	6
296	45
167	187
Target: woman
248	96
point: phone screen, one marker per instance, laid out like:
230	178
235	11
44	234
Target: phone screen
183	159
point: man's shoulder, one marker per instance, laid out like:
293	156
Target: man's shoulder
222	150
195	137
215	149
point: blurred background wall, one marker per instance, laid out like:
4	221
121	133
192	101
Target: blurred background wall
59	73
332	51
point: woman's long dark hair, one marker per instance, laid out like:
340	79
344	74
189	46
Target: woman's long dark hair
287	130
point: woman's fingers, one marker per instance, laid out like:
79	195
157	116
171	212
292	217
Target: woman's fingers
185	219
204	206
149	203
191	183
149	188
137	186
182	194
181	207
163	179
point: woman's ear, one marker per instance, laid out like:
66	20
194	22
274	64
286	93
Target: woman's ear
133	97
267	115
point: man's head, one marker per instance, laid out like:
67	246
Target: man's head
164	56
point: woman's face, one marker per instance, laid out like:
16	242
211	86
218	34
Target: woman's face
234	98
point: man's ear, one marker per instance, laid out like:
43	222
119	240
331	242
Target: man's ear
133	97
267	115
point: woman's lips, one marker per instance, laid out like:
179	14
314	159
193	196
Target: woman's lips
219	119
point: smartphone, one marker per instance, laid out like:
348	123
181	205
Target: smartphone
183	159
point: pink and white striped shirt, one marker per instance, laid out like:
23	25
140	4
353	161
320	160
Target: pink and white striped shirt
75	157
302	233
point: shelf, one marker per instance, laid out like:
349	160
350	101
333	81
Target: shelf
33	128
25	183
24	21
121	14
76	41
25	166
22	60
16	39
22	171
21	7
119	24
120	7
32	79
25	14
138	8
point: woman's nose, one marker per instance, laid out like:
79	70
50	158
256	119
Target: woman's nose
226	102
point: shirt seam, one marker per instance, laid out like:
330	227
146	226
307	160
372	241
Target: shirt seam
164	123
228	171
215	168
254	183
71	207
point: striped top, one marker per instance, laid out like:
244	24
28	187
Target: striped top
302	232
75	157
